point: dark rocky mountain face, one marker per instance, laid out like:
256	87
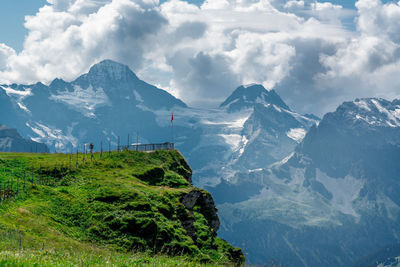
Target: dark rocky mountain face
334	200
11	141
247	96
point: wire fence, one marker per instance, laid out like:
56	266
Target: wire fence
17	181
15	185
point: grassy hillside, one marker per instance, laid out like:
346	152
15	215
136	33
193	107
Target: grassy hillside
68	210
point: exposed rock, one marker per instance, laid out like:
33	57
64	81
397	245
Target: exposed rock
204	200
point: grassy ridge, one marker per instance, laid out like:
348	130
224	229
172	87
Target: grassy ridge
121	203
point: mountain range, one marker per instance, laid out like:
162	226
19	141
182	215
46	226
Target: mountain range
291	188
333	200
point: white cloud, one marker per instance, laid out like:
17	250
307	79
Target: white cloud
63	43
261	58
294	4
244	42
201	53
369	64
325	6
5	54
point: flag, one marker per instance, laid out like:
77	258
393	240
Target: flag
172	117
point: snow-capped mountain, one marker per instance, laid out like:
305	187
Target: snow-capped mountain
98	106
333	200
271	132
251	129
11	141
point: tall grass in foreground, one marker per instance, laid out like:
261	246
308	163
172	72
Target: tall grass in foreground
56	258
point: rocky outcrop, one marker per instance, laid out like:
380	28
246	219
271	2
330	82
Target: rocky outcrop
11	141
205	203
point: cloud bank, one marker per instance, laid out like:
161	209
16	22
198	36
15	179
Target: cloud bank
303	49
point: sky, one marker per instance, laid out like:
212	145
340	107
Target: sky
12	18
315	54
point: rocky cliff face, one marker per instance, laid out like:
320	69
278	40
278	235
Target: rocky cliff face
11	141
204	200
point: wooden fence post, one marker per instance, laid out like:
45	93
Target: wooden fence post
84	152
118	143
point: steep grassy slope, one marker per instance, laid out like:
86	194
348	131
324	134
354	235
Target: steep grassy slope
119	203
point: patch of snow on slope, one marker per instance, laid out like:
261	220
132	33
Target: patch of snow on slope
368	120
138	97
344	191
362	104
232	102
51	135
244	142
23	107
283	161
277	108
233	140
297	134
9	91
239	123
303	119
249	85
84	100
394	122
396	113
19	96
392	210
233	120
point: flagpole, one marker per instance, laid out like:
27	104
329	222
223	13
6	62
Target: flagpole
172	126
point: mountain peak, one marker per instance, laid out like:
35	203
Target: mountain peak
111	70
60	84
373	112
248	96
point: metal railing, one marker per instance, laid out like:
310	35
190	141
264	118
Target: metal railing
151	147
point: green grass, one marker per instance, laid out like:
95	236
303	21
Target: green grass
93	258
124	208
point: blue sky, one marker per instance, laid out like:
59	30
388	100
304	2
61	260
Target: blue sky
12	17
